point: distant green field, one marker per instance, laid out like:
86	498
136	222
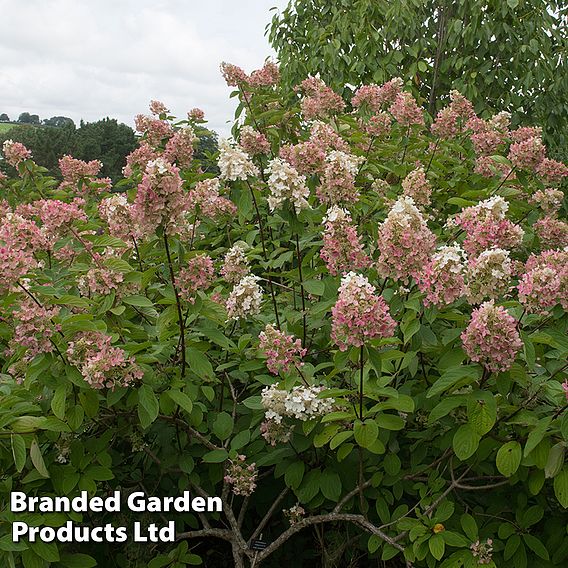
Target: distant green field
5	126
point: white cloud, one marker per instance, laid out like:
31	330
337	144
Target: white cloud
88	59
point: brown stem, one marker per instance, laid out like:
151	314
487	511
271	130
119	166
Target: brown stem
304	324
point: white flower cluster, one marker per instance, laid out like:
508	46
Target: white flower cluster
488	276
301	403
495	207
286	183
345	162
450	257
405	214
235	263
245	298
336	213
157	166
501	121
234	163
354	282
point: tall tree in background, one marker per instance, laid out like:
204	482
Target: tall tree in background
500	54
4	117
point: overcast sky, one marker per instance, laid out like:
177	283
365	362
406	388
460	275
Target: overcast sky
94	58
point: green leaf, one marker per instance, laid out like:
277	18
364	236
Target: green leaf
555	460
389	421
294	474
37	459
330	485
509	458
437	546
58	401
18	451
469	526
45	550
139	301
78	561
482	412
315	287
561	488
452	377
465	442
148	406
536	546
537	434
365	432
240	440
199	363
215	456
181	399
223	426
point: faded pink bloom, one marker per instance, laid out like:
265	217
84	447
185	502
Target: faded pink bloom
155	131
234	76
549	200
565	387
117	213
157	108
525	133
179	148
196	114
451	120
242	477
488	135
283	352
378	125
275	432
101	364
338	179
267	76
359	314
405	110
15	152
33	328
527	154
551	170
103	280
488	275
545	281
488	167
319	101
491	337
416	185
342	249
198	274
552	233
442	279
235	264
138	159
253	142
58	216
81	176
205	199
373	97
405	242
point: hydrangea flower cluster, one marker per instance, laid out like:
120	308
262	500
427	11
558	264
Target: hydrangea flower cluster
15	152
373	97
405	242
33	328
245	298
302	403
342	249
138	159
552	232
319	101
275	432
101	279
378	125
486	226
488	275
197	274
253	142
488	135
405	110
359	314
234	76
295	513
442	279
101	364
206	198
241	477
160	199
545	281
283	353
491	337
285	183
234	163
80	175
235	264
195	115
179	148
117	213
451	120
483	551
154	130
549	200
416	185
158	108
338	180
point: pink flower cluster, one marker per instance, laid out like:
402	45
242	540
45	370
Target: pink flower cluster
359	314
342	249
101	364
101	279
275	432
488	275
196	115
442	279
488	167
373	97
138	159
416	185
405	110
552	232
117	213
267	76
179	148
242	477
154	130
378	125
253	142
283	352
451	120
235	264
319	100
81	176
545	281
405	242
34	328
205	199
158	107
491	337
338	179
488	135
15	152
160	199
198	274
486	226
549	200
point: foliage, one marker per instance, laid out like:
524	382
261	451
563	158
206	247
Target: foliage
501	55
155	320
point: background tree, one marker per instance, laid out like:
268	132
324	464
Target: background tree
4	117
58	121
501	55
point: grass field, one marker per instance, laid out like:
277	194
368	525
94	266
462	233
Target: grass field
5	126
